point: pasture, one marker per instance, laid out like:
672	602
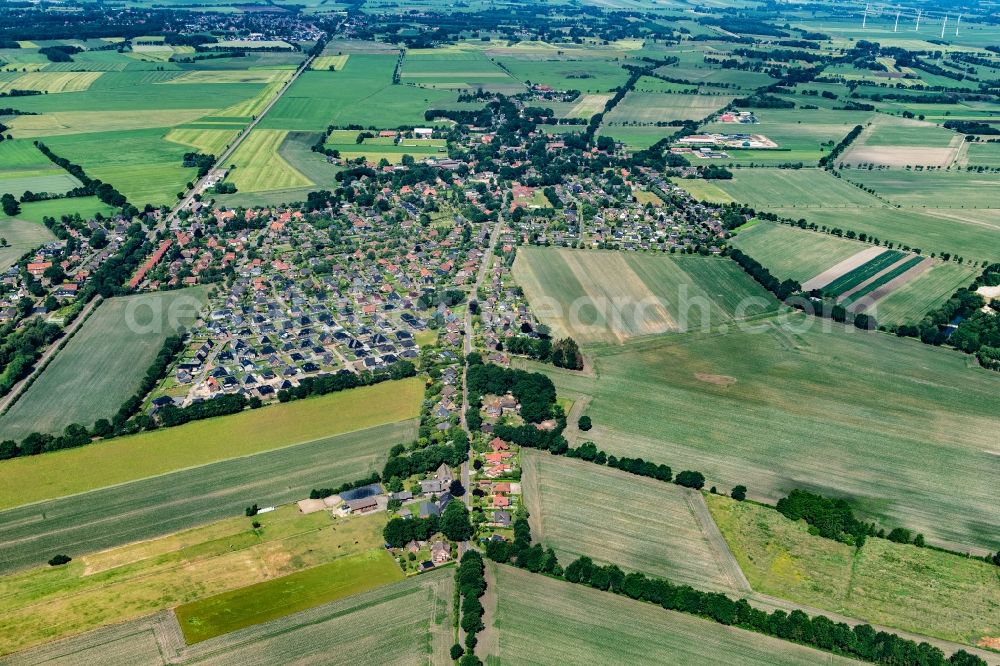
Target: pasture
878	420
159	505
103	364
947	596
420	630
260	168
125	583
640	524
273	599
123	459
795	253
609	297
794	188
545	621
970	233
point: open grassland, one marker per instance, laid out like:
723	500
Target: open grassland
163	504
795	188
22	237
652	107
206	141
924	293
124	459
970	233
932	189
103	364
896	585
276	598
640	524
546	621
904	430
139	163
259	167
795	253
420	631
604	296
53	602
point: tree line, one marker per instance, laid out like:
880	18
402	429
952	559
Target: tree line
782	290
861	642
470	579
564	353
103	191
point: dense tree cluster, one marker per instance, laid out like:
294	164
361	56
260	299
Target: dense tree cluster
341	381
400	531
204	163
564	353
832	518
534	391
403	465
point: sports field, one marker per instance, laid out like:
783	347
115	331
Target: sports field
420	630
640	524
160	505
259	167
605	296
795	253
867	416
134	580
123	459
793	188
946	596
103	364
544	621
269	600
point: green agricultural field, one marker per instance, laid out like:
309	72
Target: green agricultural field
446	69
652	107
42	477
640	524
259	168
297	151
925	292
969	233
544	621
984	154
420	630
22	237
866	271
902	429
795	188
946	596
103	364
885	279
604	296
24	168
932	189
159	505
148	97
795	253
635	137
205	141
703	190
59	123
137	579
139	163
588	76
276	598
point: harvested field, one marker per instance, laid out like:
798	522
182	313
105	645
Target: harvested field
103	364
599	296
420	630
546	621
641	524
123	459
48	603
886	423
946	596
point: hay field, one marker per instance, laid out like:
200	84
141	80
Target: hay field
206	141
795	188
52	82
273	599
420	630
112	586
643	107
904	430
795	253
604	296
897	142
946	596
546	621
160	505
123	459
103	364
259	168
971	233
640	524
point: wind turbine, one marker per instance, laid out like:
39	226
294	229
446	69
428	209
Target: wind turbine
895	28
944	23
917	29
865	19
958	23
